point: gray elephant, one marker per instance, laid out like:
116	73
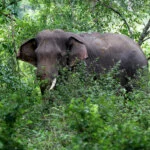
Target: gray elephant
50	49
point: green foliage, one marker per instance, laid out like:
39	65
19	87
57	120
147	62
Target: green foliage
82	113
99	116
94	115
107	123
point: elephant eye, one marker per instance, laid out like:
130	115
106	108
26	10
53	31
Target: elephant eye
35	44
70	46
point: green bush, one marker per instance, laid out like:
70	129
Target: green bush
82	113
100	118
107	123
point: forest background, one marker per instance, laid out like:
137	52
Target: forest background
82	114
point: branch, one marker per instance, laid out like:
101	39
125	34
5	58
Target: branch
144	33
118	13
7	16
146	39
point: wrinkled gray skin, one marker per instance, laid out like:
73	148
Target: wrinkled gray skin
50	49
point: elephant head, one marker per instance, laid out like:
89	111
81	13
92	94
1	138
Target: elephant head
51	49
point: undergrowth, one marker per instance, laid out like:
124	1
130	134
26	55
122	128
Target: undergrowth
82	113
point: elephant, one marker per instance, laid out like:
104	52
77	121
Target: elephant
52	49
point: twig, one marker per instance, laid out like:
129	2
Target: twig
118	13
4	6
146	39
7	15
144	33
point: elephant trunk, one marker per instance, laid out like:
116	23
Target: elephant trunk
48	80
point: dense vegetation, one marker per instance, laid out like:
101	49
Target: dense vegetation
82	113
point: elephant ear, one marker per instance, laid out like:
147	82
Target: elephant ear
77	50
27	52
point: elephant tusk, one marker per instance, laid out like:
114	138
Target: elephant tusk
53	84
